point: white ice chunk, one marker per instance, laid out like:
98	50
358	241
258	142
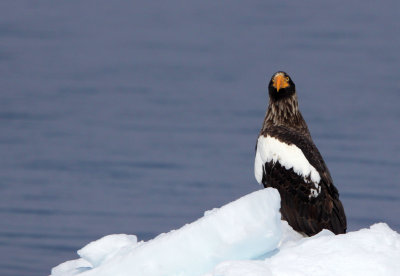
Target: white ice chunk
242	238
241	268
368	252
71	268
243	229
107	247
289	236
374	251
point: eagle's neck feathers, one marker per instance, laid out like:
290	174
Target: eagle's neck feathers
285	112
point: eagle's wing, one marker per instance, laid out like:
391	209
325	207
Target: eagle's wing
290	161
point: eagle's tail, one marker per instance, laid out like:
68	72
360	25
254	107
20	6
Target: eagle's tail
338	219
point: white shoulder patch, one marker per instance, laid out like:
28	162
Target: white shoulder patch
258	167
288	156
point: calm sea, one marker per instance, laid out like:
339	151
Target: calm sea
136	117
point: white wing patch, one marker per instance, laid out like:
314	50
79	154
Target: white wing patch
258	167
288	156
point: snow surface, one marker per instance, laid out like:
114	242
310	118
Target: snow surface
374	251
247	238
289	156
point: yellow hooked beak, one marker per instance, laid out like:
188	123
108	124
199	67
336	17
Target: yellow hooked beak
280	81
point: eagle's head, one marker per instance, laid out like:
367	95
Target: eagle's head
281	86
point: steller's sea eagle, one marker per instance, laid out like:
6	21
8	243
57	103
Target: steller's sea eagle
288	160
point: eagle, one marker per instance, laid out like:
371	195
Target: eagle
288	160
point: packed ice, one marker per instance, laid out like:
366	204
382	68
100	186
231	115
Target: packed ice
245	237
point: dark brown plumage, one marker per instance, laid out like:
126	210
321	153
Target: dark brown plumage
291	163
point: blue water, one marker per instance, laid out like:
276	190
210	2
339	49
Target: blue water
132	117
